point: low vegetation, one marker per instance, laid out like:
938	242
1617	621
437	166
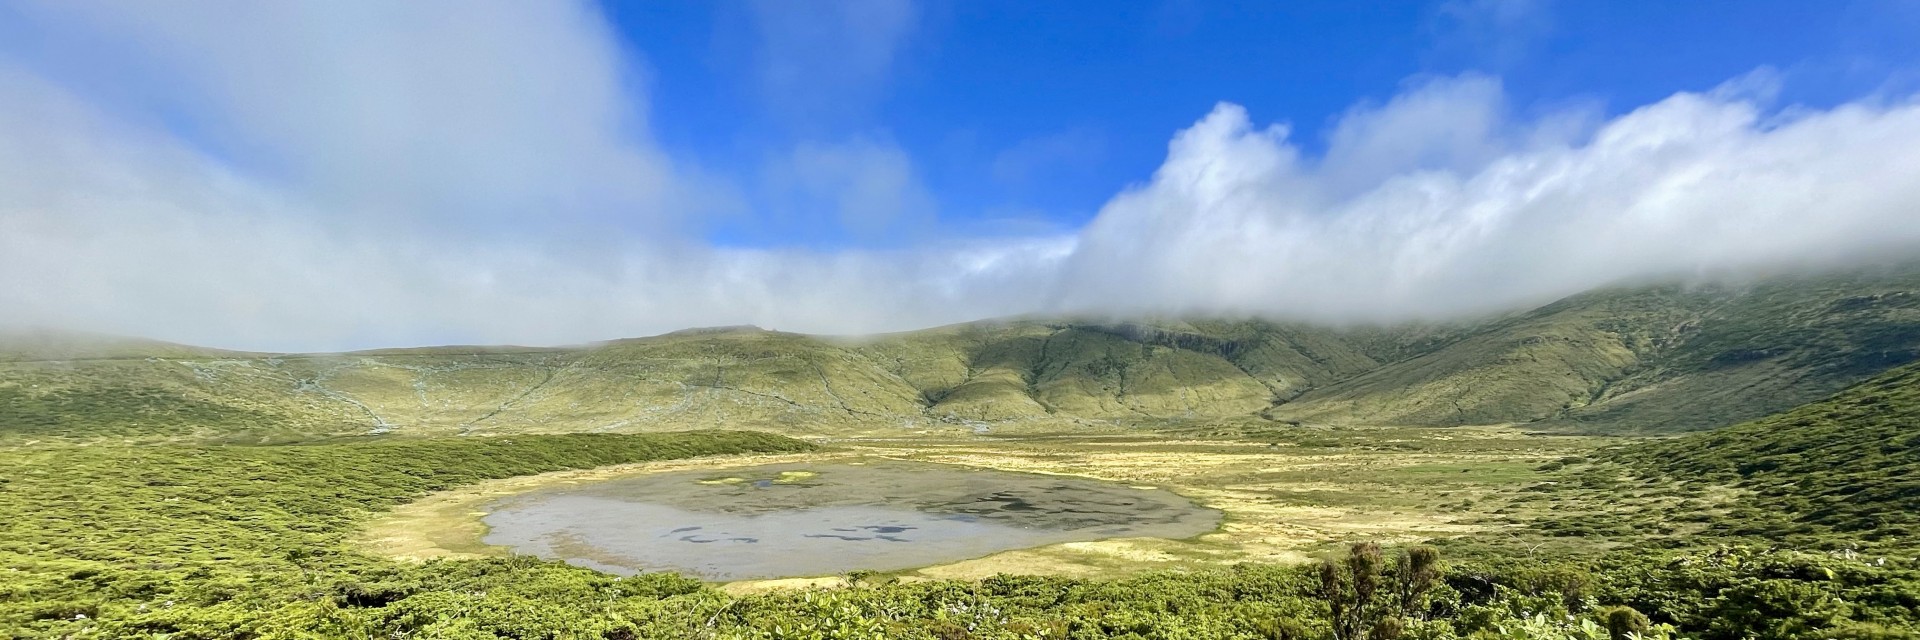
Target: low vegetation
1849	464
168	539
255	541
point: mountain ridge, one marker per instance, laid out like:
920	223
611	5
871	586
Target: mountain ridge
1649	359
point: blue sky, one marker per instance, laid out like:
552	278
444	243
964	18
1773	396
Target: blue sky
1021	115
330	174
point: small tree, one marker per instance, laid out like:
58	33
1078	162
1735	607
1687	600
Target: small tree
1414	576
1368	599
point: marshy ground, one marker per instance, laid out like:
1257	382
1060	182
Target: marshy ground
810	519
1285	495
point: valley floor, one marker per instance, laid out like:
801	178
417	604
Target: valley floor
1542	536
1287	499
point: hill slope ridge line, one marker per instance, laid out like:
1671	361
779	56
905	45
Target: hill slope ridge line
1646	359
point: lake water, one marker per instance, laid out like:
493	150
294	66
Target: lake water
809	520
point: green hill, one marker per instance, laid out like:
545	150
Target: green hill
1848	463
33	345
1649	359
1645	360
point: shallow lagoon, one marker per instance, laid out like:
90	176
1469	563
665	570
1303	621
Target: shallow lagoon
808	520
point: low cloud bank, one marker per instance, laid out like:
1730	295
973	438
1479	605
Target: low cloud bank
507	221
1438	204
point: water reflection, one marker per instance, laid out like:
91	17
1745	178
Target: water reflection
801	520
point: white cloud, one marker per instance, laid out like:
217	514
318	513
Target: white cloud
1452	124
867	187
1498	213
480	113
450	172
112	229
466	198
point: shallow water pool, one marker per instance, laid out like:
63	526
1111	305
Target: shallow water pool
808	520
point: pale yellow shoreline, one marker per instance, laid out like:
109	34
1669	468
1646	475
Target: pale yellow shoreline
1256	488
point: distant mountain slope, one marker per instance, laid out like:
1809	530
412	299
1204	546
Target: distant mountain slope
1649	359
998	371
1850	462
46	344
1767	348
1520	368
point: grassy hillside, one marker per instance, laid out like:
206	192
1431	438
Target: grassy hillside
1766	348
1642	360
1520	368
984	375
47	344
1850	463
1649	359
1120	370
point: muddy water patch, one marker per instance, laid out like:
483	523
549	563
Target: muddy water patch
806	520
